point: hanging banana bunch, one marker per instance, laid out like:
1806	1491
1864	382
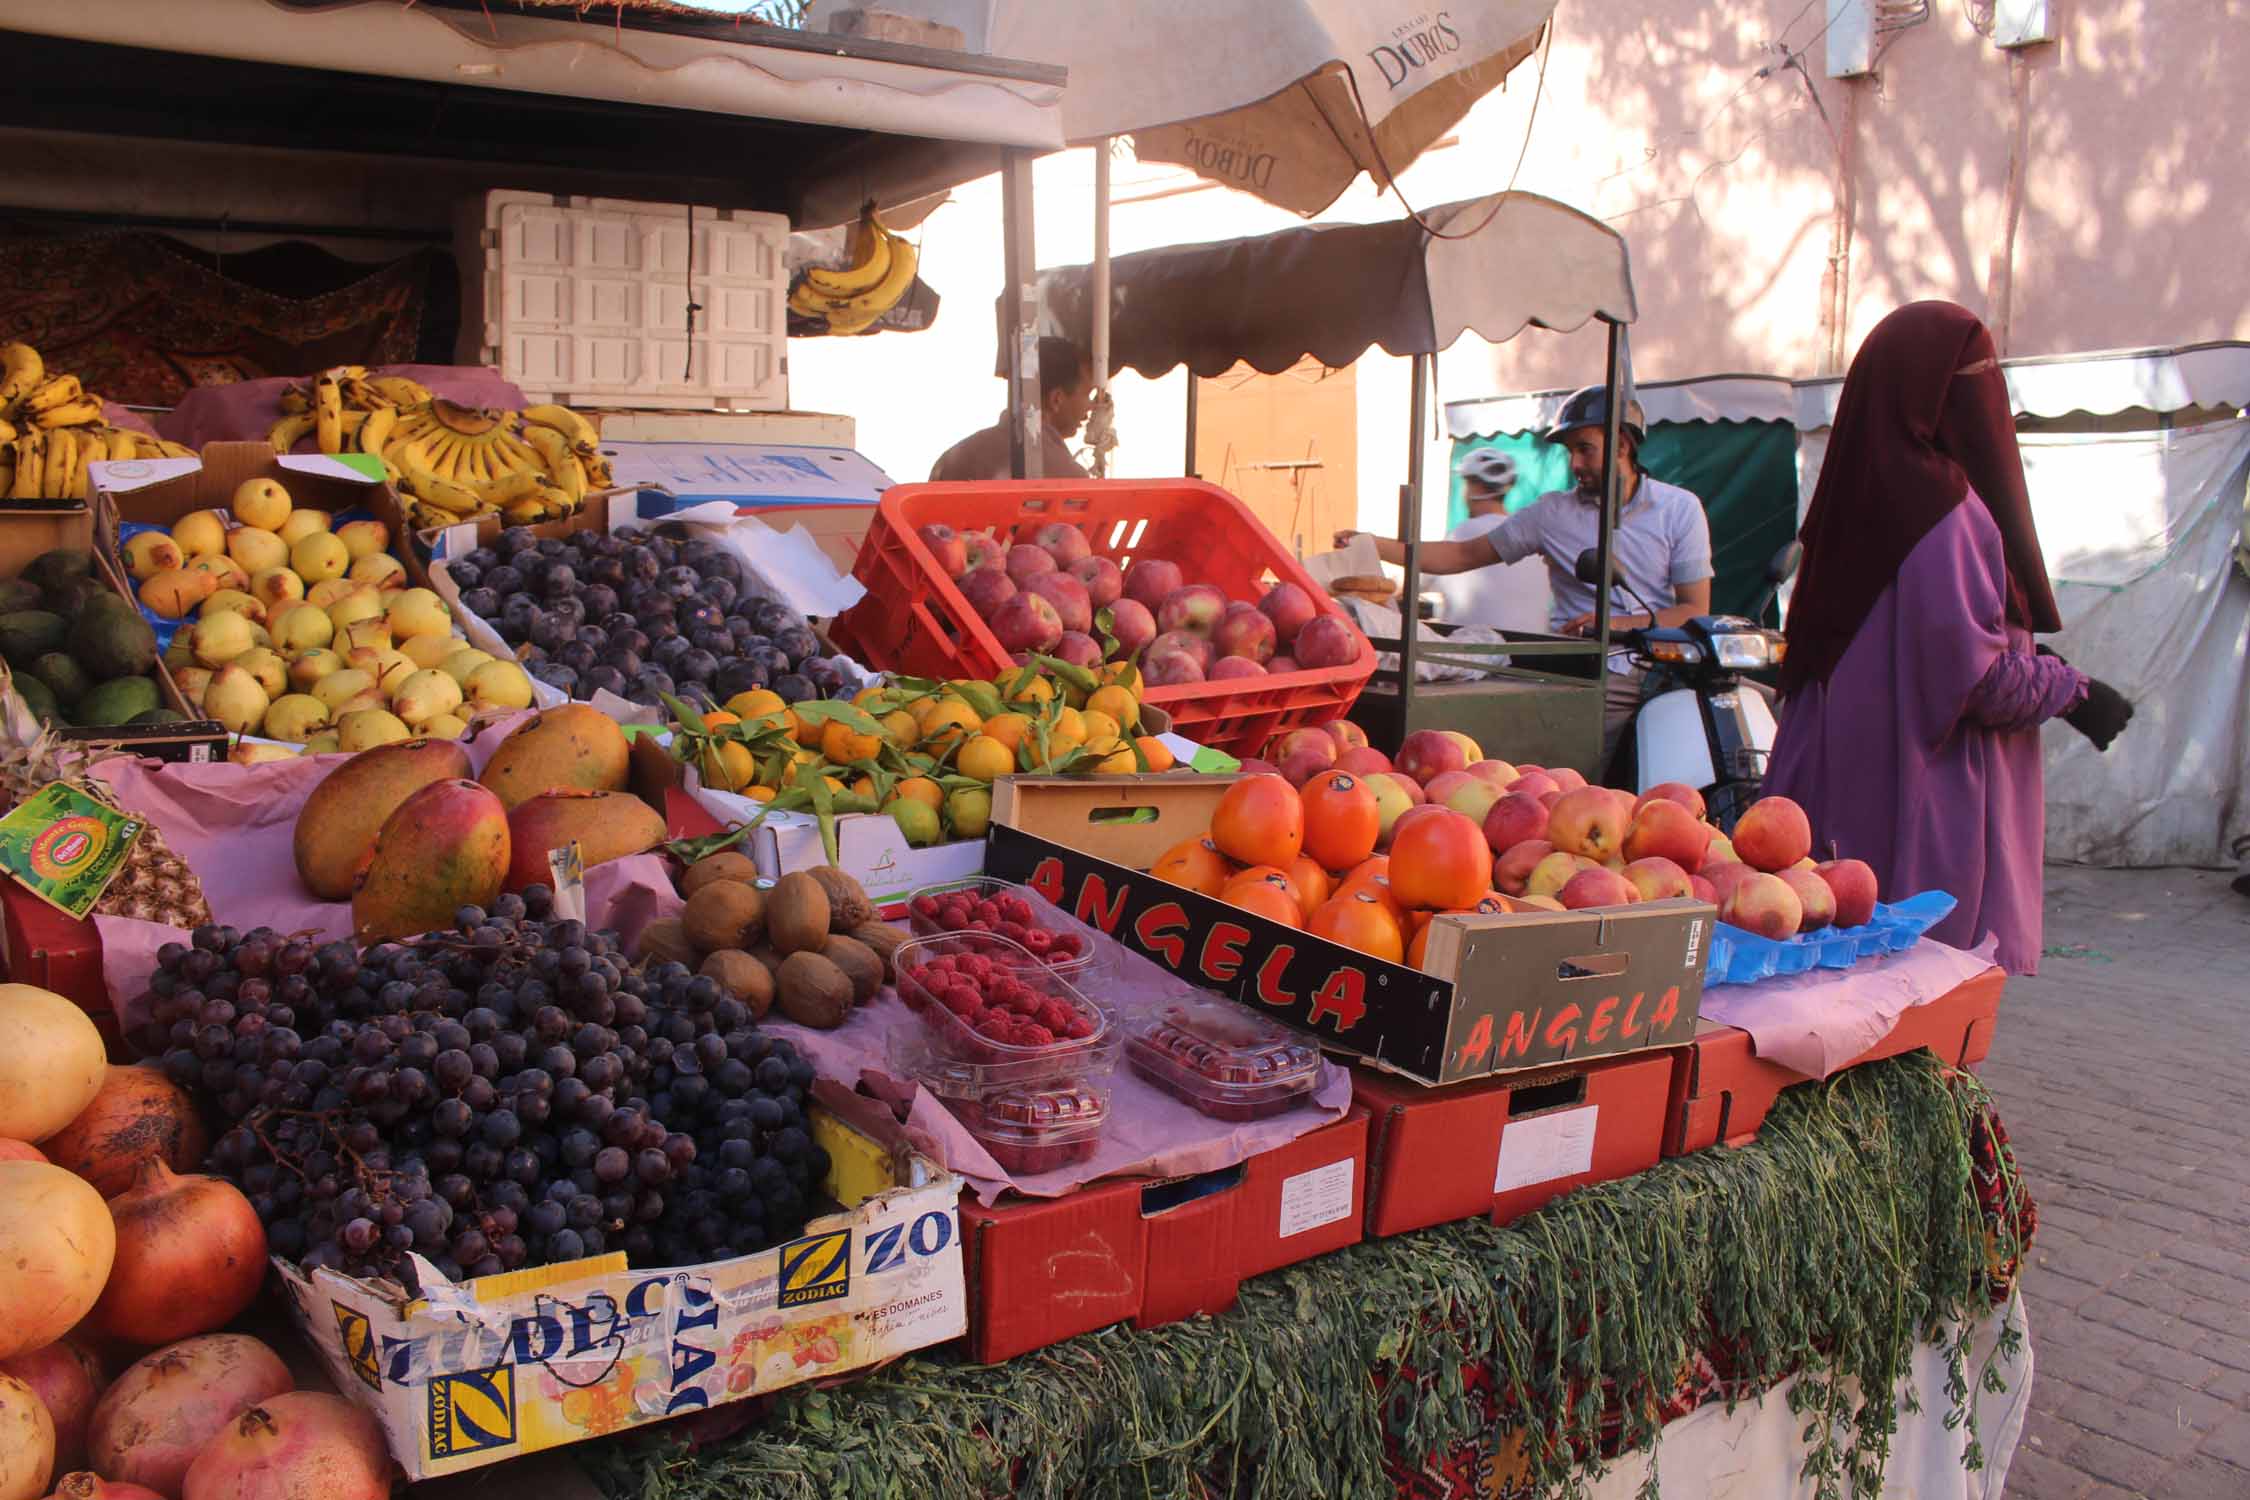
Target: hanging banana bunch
853	299
51	428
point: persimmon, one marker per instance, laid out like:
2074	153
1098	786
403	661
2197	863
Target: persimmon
1310	882
1259	821
1359	919
1440	861
1195	863
1268	895
1342	819
1373	876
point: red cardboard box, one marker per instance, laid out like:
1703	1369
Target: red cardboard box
1042	1270
1506	1146
57	952
1724	1090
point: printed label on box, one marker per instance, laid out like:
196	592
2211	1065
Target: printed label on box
1321	1196
1546	1148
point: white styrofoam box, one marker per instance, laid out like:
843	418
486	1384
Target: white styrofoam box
815	429
869	846
587	300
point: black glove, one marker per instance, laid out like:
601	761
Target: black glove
2103	716
2050	651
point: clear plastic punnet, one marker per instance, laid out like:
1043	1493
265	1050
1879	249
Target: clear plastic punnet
983	999
1222	1060
982	906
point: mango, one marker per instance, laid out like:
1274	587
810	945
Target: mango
604	825
571	748
444	847
338	825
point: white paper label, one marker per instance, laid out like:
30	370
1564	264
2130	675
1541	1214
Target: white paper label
1545	1148
1321	1196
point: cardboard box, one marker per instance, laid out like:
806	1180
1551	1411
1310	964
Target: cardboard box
1503	1147
1503	992
159	491
536	1359
1724	1090
57	952
24	535
1042	1270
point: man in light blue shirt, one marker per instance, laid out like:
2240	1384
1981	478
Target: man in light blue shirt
1661	544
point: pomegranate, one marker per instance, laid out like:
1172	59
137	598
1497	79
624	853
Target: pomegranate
302	1446
190	1255
139	1115
149	1425
67	1377
87	1485
27	1442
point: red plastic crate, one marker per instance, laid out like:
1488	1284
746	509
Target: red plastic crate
914	620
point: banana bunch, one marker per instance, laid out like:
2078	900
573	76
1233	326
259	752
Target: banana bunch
51	428
451	463
851	300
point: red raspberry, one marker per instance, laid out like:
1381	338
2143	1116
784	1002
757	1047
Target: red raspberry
1016	909
1039	941
1035	1035
1079	1029
1054	1015
1014	932
926	907
1064	945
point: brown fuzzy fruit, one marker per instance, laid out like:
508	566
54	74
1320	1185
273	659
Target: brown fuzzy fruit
665	941
814	992
764	954
860	963
796	915
727	864
848	906
743	977
724	914
884	938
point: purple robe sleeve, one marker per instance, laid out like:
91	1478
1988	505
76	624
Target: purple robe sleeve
2021	689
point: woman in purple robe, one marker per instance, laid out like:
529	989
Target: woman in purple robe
1912	694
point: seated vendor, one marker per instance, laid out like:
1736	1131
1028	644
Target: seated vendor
1066	396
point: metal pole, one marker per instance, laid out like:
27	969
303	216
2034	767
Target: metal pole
1021	331
1611	430
1187	464
1101	285
1410	532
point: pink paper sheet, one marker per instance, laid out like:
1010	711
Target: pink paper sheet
1818	1021
238	413
234	826
1150	1133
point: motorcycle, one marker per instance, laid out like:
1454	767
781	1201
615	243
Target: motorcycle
1700	720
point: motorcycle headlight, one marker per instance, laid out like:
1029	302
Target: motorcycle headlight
1684	653
1745	650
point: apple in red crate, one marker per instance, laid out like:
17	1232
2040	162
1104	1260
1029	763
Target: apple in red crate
1105	585
1194	607
1326	641
1027	623
1290	608
1852	882
1068	596
1194	645
986	589
1026	563
1151	578
1078	648
985	549
1063	542
1243	631
1231	667
1763	904
948	548
1131	625
1428	753
1281	664
1168	664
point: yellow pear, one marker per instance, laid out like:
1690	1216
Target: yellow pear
420	612
362	603
340	686
311	666
360	703
225	569
329	590
296	716
422	696
500	684
247	754
191	682
463	660
235	700
429	650
220	638
302	627
300	524
324	743
271	672
200	533
319	557
364	538
371	630
262	503
377	568
369	727
277	586
239	602
148	553
255	550
445	727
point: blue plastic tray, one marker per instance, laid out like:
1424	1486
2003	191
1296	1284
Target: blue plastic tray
1739	957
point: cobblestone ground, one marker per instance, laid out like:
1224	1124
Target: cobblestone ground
2121	1074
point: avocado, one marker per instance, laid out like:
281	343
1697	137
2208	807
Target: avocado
64	677
39	699
28	634
70	597
20	593
112	639
51	570
118	701
158	716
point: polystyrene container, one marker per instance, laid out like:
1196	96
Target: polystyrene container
980	997
1013	913
1224	1061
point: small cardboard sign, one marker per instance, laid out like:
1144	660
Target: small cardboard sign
65	847
567	868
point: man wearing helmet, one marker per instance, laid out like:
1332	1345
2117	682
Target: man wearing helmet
1661	543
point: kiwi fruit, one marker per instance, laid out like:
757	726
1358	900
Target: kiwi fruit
727	864
860	963
796	915
724	914
743	977
814	992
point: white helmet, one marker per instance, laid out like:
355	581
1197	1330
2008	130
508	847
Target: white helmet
1489	467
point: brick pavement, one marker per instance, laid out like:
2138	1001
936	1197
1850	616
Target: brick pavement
2123	1073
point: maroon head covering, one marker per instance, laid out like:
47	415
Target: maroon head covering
1923	421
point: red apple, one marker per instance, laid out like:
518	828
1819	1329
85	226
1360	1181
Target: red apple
987	589
1063	542
1673	791
1814	898
1027	623
1391	804
1132	625
1243	631
1666	829
1281	664
1587	821
1164	666
1077	647
1541	903
1723	878
1763	904
1346	734
1409	785
1720	851
1104	584
1557	870
1703	890
1150	579
1253	766
1514	866
1773	834
1852	882
1231	667
1592	888
1197	648
984	549
1362	760
1311	744
1068	596
1428	753
1658	879
1326	641
1533	784
1498	772
1471	796
1512	819
1194	608
1290	608
948	549
1567	779
1026	563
